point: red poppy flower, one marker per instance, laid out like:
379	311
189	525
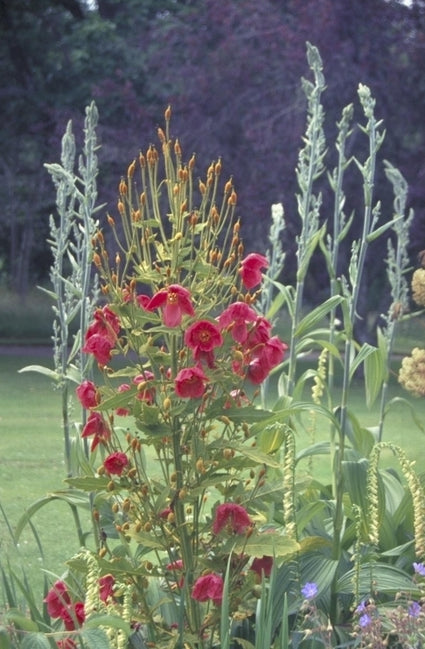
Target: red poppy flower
57	599
235	318
96	426
175	301
73	616
208	587
250	270
202	337
87	394
106	587
232	517
115	463
190	383
262	566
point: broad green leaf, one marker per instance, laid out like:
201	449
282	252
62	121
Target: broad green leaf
89	482
259	545
365	350
320	448
95	638
318	314
35	641
21	621
111	621
4	639
270	439
40	369
257	455
375	374
378	578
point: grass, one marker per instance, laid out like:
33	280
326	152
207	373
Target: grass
32	465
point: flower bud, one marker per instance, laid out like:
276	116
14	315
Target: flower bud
111	221
177	149
202	187
131	169
191	162
147	527
102	552
233	198
167	113
142	160
217	168
161	135
123	187
121	208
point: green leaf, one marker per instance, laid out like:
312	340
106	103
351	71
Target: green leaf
21	621
71	497
4	639
270	439
316	316
89	482
95	638
380	578
253	453
259	545
320	448
40	369
377	233
35	641
375	374
111	621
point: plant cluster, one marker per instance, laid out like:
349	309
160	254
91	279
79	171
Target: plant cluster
207	530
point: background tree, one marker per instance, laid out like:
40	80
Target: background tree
232	74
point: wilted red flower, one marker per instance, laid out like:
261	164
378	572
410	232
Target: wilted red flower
202	337
250	270
190	383
100	346
106	322
260	332
232	517
96	426
106	587
235	318
145	392
264	358
87	394
262	566
123	412
115	463
66	643
57	599
175	301
208	587
73	616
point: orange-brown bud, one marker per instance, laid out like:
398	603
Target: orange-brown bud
104	289
171	517
97	260
161	135
126	505
147	526
177	149
202	187
131	169
200	466
194	219
135	216
228	186
191	162
110	486
121	208
115	508
142	160
138	526
183	207
237	227
167	113
96	515
102	552
111	221
142	198
117	259
123	187
217	168
233	198
183	174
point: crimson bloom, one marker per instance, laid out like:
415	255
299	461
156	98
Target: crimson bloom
73	616
57	599
262	566
106	587
175	301
235	318
264	358
232	517
87	394
100	346
190	383
96	426
208	587
250	270
115	463
202	337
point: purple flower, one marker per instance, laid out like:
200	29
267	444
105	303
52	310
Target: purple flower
414	609
365	620
419	568
362	608
309	590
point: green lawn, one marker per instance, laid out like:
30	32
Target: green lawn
31	457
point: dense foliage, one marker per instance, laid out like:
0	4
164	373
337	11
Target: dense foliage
231	72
